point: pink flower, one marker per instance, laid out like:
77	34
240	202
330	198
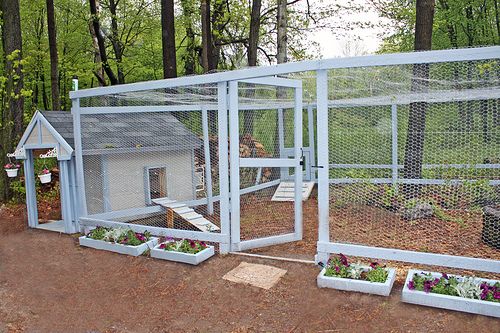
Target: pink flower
411	285
203	244
163	246
192	244
337	269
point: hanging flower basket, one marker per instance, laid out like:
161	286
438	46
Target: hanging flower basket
11	169
45	176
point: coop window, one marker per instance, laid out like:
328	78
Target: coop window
156	183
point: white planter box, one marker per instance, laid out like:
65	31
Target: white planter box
44	179
11	173
449	302
118	248
362	286
187	258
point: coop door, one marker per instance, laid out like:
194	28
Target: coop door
266	159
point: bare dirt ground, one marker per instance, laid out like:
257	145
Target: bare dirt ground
50	284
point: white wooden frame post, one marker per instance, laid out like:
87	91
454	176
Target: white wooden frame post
225	221
234	154
323	163
79	174
208	163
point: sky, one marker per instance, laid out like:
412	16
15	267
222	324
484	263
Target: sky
332	45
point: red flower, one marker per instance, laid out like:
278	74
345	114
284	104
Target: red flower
203	244
343	259
163	246
192	244
374	264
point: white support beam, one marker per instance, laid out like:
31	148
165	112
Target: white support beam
208	164
438	56
234	153
486	265
323	170
225	223
250	162
274	81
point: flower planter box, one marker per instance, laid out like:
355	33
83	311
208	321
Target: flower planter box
187	258
11	173
45	178
486	308
362	286
118	248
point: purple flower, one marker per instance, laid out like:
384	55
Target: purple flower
337	269
163	246
374	264
411	285
427	286
496	295
192	244
444	275
203	244
343	260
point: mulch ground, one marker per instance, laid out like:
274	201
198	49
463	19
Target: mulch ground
50	284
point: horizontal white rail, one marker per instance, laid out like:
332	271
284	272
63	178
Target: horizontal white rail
424	166
268	162
408	181
156	231
438	56
486	265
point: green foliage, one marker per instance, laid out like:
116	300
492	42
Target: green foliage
184	246
119	236
377	274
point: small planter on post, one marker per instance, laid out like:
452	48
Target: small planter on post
11	169
362	286
490	234
450	302
45	176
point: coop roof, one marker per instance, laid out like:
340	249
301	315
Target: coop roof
114	133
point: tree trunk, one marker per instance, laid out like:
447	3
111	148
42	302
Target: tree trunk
414	148
115	42
54	61
281	57
168	39
12	101
100	42
188	57
99	73
206	37
253	42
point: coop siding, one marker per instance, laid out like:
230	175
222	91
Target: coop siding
126	177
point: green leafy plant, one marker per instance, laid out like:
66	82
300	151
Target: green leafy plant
466	287
119	236
183	245
339	267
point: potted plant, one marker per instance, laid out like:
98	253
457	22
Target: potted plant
185	250
11	169
119	240
338	273
453	292
45	176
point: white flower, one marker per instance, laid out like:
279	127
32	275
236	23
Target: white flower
469	287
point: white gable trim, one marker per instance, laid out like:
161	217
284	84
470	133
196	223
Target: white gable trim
37	121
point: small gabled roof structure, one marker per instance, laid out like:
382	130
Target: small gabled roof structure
41	133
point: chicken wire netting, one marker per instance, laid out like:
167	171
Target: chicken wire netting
154	168
265	133
415	157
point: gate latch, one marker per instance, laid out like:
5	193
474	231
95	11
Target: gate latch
302	158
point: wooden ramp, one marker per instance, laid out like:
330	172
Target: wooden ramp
286	191
187	213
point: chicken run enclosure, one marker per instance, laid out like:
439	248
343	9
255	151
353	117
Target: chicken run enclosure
387	156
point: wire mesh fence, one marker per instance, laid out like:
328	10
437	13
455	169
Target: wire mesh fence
414	157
